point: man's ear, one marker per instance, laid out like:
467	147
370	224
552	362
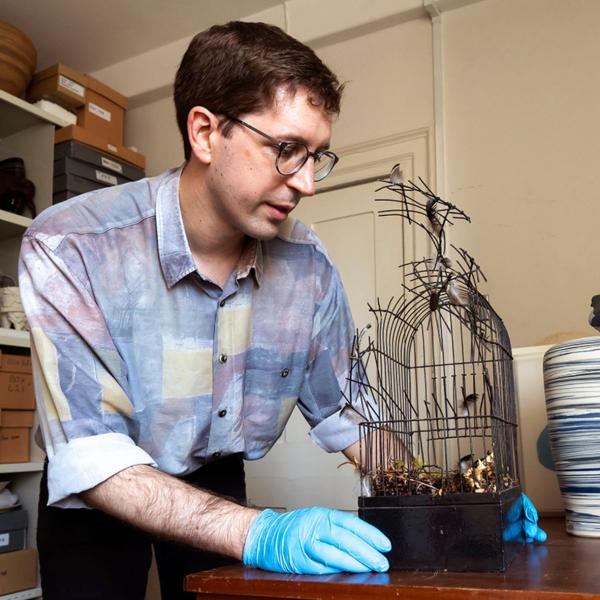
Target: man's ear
201	127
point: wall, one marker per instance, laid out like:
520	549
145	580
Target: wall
522	146
357	39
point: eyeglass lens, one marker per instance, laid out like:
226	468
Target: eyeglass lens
293	156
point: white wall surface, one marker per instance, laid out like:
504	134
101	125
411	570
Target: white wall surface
523	141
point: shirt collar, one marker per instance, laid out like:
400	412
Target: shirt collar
175	256
174	252
251	260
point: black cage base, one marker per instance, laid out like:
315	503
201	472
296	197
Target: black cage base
456	532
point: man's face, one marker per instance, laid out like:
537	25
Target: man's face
249	195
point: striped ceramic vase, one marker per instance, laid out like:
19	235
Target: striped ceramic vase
572	387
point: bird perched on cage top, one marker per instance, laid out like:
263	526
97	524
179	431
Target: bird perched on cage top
396	174
594	318
456	295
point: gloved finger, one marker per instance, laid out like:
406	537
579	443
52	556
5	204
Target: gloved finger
530	529
361	528
540	536
335	558
314	567
529	510
356	547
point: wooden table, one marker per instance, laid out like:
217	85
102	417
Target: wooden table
564	568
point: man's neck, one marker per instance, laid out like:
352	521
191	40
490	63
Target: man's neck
216	249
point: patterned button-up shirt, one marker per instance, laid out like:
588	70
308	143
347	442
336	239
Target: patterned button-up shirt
140	359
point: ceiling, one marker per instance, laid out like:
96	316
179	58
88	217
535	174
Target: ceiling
88	36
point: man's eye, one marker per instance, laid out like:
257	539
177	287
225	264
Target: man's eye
291	150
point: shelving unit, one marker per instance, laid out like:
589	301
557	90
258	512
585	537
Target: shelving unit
12	337
27	132
23	595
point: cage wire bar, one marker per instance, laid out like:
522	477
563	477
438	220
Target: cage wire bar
433	379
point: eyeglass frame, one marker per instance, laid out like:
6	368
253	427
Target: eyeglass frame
281	145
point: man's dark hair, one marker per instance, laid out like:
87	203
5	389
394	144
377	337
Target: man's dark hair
236	69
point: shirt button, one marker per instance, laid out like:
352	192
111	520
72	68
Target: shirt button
222	413
222	303
285	372
222	358
216	454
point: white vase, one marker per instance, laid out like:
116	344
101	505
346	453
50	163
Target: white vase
572	389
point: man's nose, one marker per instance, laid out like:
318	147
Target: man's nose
304	179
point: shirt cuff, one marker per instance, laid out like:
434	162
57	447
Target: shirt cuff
338	431
85	462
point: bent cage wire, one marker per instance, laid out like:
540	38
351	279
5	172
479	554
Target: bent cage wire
433	378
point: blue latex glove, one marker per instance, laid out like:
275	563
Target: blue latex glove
522	519
315	541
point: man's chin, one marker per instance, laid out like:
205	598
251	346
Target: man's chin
268	233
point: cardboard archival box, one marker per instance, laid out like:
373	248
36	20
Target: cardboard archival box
92	156
14	444
79	134
59	84
13	530
103	113
70	166
16	382
16	418
18	571
15	363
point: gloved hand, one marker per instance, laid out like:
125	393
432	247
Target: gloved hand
315	541
522	519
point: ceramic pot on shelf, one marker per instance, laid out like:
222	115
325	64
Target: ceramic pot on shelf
572	390
18	59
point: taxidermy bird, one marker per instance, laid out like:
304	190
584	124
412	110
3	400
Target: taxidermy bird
456	295
466	462
396	174
468	401
594	318
432	215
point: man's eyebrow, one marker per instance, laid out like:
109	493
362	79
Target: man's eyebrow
296	138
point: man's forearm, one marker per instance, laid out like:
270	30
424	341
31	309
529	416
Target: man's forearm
379	449
167	507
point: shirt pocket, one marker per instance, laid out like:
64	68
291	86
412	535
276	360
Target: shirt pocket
269	399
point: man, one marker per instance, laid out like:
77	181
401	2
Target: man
176	322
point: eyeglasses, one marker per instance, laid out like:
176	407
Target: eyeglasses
292	156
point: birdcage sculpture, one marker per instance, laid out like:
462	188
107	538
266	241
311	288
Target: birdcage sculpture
432	379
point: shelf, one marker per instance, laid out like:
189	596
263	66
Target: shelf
18	115
30	467
12	225
23	595
12	337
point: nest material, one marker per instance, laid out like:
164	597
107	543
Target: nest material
401	480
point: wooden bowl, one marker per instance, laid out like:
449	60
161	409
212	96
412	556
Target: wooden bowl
18	59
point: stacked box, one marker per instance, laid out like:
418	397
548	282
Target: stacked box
18	571
59	84
89	138
17	404
79	168
103	113
100	114
13	530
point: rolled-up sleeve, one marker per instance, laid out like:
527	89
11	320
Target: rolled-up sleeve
328	389
86	416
